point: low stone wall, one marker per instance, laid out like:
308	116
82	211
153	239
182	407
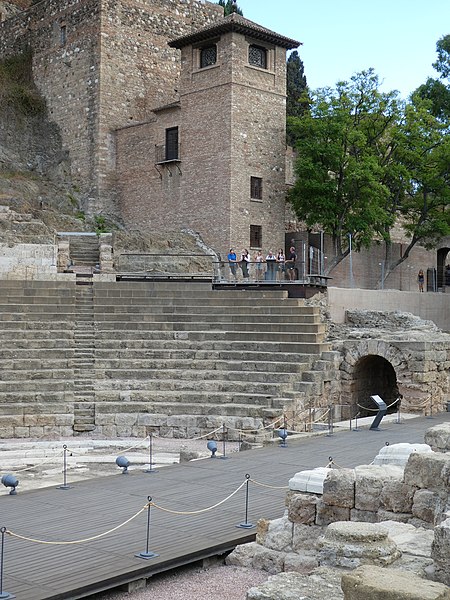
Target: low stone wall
348	524
28	261
429	306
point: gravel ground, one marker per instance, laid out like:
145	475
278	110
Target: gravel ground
193	583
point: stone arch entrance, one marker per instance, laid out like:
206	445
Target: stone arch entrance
372	375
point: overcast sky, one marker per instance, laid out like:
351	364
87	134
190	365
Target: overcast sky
395	37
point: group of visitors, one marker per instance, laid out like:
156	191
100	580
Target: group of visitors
272	267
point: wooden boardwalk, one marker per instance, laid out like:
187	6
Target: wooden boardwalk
34	571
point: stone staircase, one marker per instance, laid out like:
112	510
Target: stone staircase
178	359
84	358
36	352
181	359
84	250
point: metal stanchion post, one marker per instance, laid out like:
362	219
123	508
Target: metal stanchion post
246	524
147	553
3	594
150	456
356	423
64	486
224	442
330	420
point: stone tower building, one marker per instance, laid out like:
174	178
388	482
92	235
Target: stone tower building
215	160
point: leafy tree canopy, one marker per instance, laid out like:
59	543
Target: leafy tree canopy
438	90
230	6
366	161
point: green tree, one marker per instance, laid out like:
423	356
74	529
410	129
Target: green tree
422	147
367	161
438	90
297	102
343	163
230	6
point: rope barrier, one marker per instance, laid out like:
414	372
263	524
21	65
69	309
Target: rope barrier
46	460
205	435
202	510
377	409
136	445
82	541
265	427
266	485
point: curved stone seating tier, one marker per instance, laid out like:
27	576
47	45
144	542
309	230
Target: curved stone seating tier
127	358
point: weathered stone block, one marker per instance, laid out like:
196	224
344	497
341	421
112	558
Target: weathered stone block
397	496
428	471
268	560
302	508
242	556
276	534
369	484
300	563
363	516
339	488
428	506
386	515
329	514
305	538
376	583
440	552
438	437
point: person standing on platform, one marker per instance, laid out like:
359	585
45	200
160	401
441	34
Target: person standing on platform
290	263
281	260
271	262
245	260
232	263
258	259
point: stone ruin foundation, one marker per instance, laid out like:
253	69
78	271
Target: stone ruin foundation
376	532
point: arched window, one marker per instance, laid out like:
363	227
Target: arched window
208	56
257	56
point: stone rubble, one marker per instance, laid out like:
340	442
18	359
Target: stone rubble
387	515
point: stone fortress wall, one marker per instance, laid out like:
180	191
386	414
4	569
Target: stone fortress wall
101	65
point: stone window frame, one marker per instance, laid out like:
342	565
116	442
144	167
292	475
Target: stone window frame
256	188
269	53
203	50
197	55
256	236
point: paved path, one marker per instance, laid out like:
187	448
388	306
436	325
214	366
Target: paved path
35	571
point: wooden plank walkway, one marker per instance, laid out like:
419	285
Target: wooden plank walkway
35	571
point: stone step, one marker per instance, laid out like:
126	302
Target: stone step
24	326
39	309
261	379
26	385
150	307
147	342
215	320
197	331
109	412
25	301
41	398
192	367
50	357
80	428
157	350
138	384
34	371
